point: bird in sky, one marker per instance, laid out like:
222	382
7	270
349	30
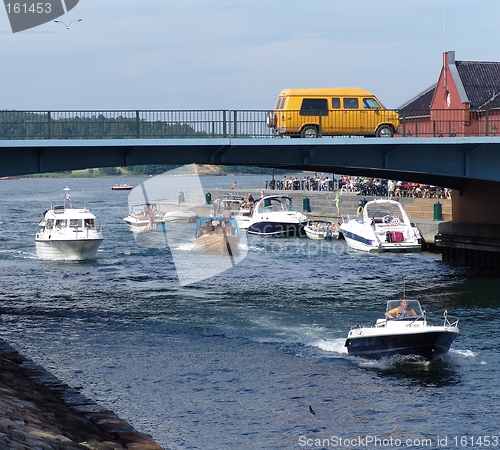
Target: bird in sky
68	26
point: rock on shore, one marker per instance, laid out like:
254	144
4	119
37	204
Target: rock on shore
39	412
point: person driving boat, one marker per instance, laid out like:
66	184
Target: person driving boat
401	311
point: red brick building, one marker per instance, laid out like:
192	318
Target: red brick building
464	102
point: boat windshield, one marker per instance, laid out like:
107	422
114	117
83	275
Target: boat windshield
403	309
232	204
275	204
143	210
385	214
219	226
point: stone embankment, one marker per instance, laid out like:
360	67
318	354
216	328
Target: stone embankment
39	412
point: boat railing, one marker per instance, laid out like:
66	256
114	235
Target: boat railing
450	323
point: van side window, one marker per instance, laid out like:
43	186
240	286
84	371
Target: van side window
314	107
370	103
335	103
351	103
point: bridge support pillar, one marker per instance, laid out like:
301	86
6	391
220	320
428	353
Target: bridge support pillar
473	236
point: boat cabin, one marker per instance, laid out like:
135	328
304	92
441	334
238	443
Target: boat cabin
231	203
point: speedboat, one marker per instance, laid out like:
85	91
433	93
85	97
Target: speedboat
68	233
275	215
217	235
382	226
237	207
320	229
403	331
144	217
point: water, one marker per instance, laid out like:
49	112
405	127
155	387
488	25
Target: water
236	361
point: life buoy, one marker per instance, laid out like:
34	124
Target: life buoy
359	210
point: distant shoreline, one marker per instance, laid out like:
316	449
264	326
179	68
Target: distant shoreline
203	170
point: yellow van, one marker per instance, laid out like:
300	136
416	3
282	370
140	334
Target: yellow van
329	112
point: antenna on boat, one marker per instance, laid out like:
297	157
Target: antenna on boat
66	197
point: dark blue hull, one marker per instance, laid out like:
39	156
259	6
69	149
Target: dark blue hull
427	345
277	229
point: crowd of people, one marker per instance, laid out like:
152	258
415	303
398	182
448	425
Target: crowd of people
360	185
306	183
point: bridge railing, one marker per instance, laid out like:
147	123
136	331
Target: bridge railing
132	124
449	123
164	124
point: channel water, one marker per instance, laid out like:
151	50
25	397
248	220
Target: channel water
252	357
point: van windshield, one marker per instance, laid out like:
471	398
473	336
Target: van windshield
370	103
280	103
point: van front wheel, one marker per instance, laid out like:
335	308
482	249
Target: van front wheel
385	131
309	131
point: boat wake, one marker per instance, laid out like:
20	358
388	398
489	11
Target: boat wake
335	346
18	254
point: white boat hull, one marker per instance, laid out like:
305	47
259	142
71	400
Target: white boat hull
320	230
180	217
243	221
68	249
383	226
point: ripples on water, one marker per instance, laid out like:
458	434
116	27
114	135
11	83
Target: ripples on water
236	361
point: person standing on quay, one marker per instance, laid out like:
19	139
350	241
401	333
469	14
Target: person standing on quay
337	203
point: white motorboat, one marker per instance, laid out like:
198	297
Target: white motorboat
122	187
275	215
236	205
181	215
403	331
217	235
382	226
321	229
144	217
68	233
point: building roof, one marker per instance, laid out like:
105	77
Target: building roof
419	104
479	79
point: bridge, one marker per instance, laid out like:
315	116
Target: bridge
467	164
448	162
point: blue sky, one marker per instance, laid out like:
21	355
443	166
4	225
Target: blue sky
236	54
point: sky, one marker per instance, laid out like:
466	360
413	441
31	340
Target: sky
236	54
